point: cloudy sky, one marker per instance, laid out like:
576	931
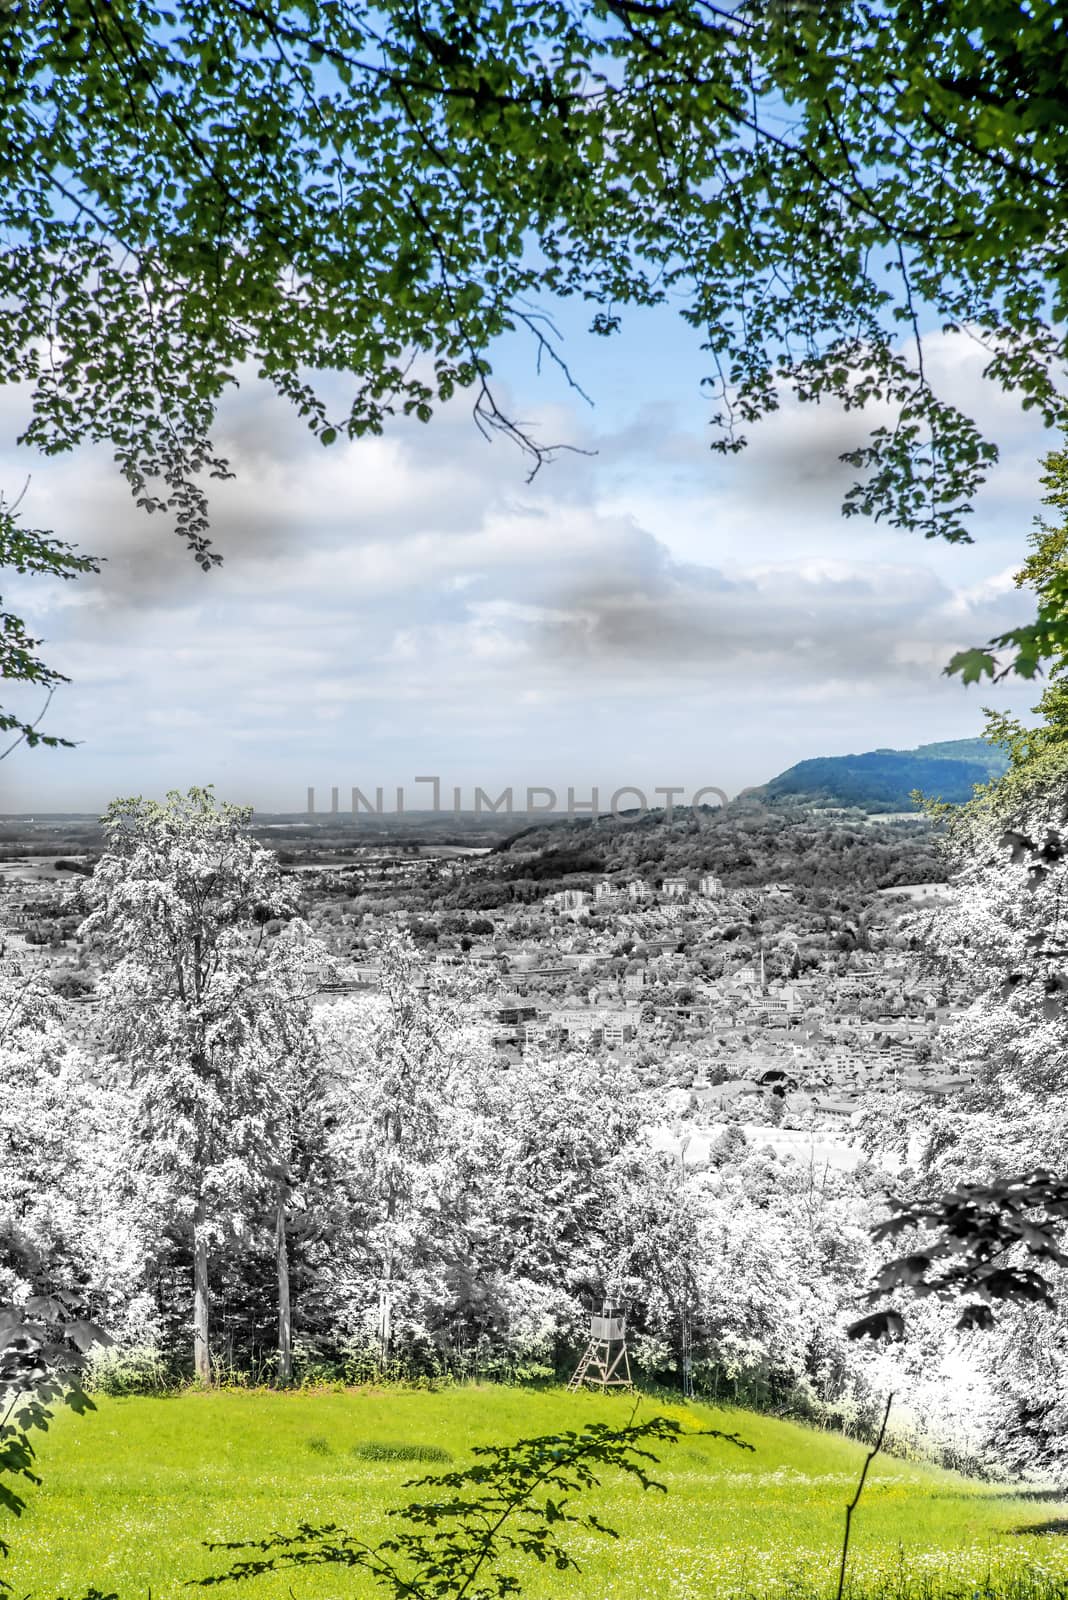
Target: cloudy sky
648	614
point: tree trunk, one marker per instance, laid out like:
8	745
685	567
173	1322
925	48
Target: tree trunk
285	1308
385	1328
201	1299
685	1353
385	1303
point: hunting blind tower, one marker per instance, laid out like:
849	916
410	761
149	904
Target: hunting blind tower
605	1363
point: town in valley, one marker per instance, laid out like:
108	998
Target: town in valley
757	969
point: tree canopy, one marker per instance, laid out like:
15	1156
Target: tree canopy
1045	572
26	550
200	188
998	1155
211	1021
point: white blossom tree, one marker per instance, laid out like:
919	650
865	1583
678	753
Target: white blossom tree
61	1127
559	1122
981	1213
407	1066
208	1014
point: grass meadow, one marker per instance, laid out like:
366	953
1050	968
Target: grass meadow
131	1492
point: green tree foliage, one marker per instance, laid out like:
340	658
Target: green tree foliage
513	1504
197	189
1046	573
42	1354
25	550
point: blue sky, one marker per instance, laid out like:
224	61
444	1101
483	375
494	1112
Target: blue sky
652	614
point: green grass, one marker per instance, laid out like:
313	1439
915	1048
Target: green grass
130	1492
384	1450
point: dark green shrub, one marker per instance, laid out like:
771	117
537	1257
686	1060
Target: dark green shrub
384	1450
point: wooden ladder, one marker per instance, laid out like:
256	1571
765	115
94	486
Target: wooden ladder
580	1371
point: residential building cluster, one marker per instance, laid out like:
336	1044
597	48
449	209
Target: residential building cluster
719	995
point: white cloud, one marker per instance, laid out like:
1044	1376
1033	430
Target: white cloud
398	600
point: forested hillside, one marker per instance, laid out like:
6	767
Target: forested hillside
743	844
884	780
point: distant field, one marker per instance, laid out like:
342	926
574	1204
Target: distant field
36	869
130	1493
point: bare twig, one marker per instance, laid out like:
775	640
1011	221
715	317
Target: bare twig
852	1506
30	726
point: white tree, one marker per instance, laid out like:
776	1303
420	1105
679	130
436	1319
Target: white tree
407	1064
61	1130
207	1013
1004	940
557	1124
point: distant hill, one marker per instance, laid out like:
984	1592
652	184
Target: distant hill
838	859
882	780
